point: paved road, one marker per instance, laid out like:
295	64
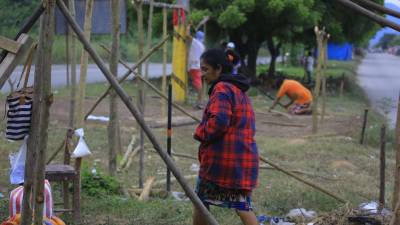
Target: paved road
379	76
94	75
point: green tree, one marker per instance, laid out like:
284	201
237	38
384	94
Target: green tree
387	41
13	15
250	23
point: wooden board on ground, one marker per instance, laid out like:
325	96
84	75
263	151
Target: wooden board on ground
12	60
176	122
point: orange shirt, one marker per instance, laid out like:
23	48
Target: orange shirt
295	91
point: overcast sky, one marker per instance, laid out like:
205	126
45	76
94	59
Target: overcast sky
397	2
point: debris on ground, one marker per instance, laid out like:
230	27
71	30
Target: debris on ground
350	216
301	214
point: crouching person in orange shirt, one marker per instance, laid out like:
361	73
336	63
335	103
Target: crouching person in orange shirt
300	97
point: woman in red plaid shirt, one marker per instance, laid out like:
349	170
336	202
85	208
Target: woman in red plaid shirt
228	152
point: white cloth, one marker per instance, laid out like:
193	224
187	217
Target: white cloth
310	63
196	49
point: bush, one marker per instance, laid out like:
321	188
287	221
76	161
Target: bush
98	184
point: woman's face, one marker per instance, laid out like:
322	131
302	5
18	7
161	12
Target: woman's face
209	73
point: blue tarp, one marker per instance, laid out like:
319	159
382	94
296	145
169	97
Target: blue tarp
343	52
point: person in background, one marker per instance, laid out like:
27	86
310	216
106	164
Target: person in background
228	152
196	49
300	97
233	57
309	66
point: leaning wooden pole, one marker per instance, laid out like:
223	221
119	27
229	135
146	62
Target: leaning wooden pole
378	19
309	183
154	49
114	141
375	6
37	143
396	190
87	27
133	109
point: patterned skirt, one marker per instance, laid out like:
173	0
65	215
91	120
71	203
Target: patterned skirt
212	194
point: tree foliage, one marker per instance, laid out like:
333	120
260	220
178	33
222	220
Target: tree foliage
252	23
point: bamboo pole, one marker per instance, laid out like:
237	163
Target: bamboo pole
149	36
382	167
164	66
324	62
72	60
309	183
37	142
133	109
114	141
154	49
169	132
141	94
378	19
380	8
319	36
84	64
155	89
396	190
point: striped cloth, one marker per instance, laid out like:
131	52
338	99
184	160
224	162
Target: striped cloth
19	114
16	197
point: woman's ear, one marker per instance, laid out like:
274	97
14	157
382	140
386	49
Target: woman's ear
219	69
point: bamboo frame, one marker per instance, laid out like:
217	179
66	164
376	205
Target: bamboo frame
133	109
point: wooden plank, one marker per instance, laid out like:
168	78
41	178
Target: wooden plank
12	60
9	45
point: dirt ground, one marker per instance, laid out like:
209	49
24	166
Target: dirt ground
274	124
294	130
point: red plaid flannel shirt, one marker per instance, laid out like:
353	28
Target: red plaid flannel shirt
228	152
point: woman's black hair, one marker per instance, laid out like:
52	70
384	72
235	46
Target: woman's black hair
217	58
279	82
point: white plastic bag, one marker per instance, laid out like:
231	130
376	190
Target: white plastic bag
81	150
17	161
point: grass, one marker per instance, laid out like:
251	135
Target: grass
335	69
338	163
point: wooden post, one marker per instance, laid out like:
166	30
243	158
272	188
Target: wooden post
364	125
164	66
324	65
84	64
382	168
141	95
72	60
319	36
133	109
37	143
396	190
169	132
342	86
149	36
114	142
